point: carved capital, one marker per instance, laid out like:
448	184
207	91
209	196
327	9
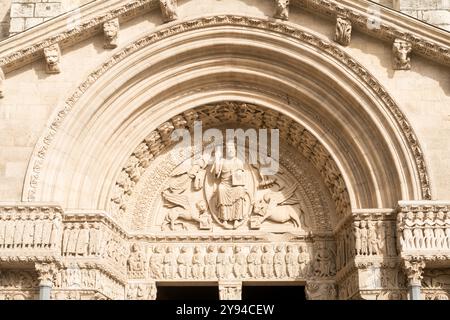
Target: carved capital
343	31
230	290
414	271
45	273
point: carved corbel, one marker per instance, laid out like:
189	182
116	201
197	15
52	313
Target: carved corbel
230	290
343	34
401	50
111	32
2	81
414	271
45	273
282	9
169	10
52	58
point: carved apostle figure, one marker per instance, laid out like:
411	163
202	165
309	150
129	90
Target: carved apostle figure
439	231
156	262
169	10
291	261
254	262
18	232
184	263
303	259
240	263
54	235
224	263
9	232
83	239
170	263
111	31
417	231
135	262
364	237
198	263
408	238
447	229
428	230
401	50
343	31
279	263
28	231
282	9
372	238
38	230
230	191
52	57
211	261
267	261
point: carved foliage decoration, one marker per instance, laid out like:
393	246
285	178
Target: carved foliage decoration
343	33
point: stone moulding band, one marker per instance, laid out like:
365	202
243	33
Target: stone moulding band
32	179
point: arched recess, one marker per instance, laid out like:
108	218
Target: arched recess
208	60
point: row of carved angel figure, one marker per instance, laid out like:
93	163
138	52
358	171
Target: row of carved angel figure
30	231
424	230
225	262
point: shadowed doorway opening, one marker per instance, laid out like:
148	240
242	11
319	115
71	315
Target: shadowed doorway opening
187	293
277	293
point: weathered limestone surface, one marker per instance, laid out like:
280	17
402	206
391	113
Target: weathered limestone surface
355	214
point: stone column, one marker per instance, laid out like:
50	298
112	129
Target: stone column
230	290
414	272
45	275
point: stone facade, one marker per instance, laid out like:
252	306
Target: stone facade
97	201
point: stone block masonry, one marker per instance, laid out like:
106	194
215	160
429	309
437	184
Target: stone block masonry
28	13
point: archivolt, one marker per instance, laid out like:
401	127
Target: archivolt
212	59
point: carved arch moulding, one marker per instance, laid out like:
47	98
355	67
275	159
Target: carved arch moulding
401	131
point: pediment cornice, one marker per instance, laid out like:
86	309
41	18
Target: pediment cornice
426	40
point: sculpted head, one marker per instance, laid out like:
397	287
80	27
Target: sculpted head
430	214
52	55
440	215
420	215
111	29
211	249
230	149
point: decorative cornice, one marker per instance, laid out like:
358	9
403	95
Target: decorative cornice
323	45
